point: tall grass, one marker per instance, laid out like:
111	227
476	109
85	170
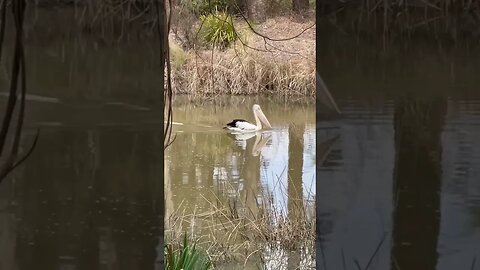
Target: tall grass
233	229
253	64
239	73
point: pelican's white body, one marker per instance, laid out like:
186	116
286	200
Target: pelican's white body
244	126
240	125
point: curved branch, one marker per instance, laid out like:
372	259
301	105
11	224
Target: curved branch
22	159
18	72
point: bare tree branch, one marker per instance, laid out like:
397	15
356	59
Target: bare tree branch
18	73
21	160
275	39
163	29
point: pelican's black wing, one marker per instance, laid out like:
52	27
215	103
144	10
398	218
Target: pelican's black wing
234	123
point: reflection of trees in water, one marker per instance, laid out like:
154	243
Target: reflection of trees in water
417	180
81	66
199	161
328	158
295	198
90	202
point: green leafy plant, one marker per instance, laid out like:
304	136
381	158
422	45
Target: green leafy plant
187	258
217	29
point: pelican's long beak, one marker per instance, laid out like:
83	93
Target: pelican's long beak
259	144
264	119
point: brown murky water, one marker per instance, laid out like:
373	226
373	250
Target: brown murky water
403	178
206	160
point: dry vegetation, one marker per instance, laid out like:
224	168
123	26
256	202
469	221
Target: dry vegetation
280	61
437	20
233	231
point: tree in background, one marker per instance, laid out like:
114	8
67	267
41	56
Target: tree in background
300	6
256	10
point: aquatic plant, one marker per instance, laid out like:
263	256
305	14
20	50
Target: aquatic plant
188	257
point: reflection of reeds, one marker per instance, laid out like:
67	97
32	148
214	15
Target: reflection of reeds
114	17
435	19
231	230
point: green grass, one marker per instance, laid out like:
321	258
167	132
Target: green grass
188	257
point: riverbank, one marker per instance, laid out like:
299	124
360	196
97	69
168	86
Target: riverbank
276	58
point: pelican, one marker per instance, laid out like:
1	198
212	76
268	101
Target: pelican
241	125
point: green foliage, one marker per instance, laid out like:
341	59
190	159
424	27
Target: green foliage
188	258
217	29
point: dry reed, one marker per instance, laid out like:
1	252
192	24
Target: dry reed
233	231
279	66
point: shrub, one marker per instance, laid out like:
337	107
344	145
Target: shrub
217	29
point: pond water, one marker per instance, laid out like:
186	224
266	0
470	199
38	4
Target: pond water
397	181
206	160
89	196
400	188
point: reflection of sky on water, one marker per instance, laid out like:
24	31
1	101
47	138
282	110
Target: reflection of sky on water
274	165
228	176
460	201
309	163
230	166
354	190
356	184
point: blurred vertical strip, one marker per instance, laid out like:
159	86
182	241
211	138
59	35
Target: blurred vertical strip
8	160
163	26
163	31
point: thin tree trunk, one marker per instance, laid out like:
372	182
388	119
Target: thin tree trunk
300	6
256	10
